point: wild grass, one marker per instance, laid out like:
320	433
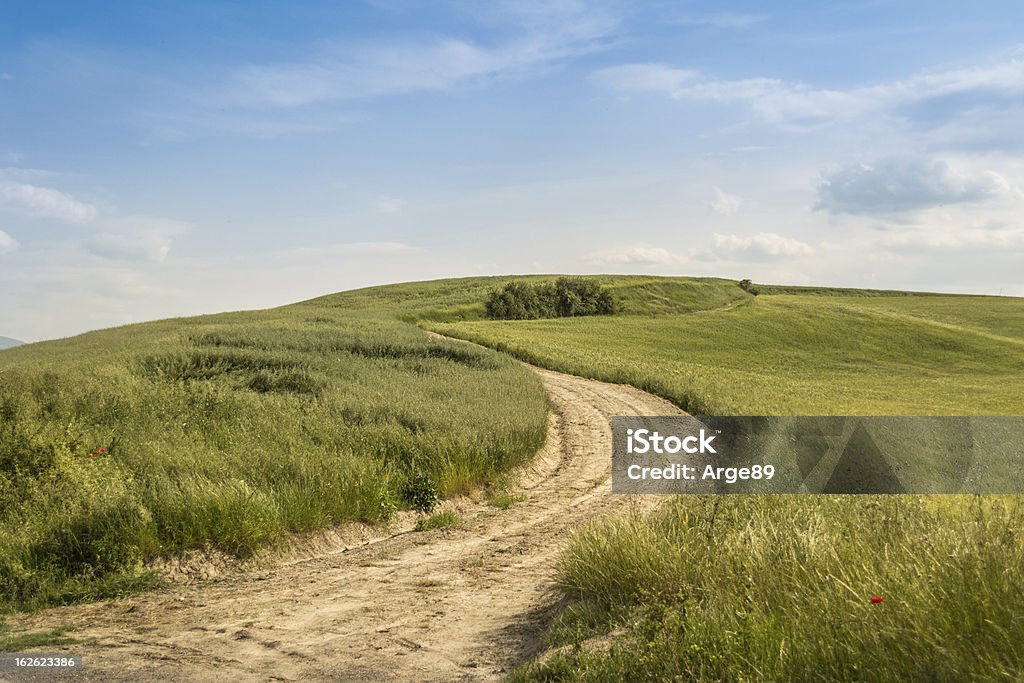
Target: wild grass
440	520
505	501
11	641
779	588
235	430
231	432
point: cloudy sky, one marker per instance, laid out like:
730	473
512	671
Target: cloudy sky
170	157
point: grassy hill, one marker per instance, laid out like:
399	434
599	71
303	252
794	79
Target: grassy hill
810	354
231	431
234	430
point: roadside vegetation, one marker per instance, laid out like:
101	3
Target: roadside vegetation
794	588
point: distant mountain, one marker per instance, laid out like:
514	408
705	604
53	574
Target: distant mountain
7	342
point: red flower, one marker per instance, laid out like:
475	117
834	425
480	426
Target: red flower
876	600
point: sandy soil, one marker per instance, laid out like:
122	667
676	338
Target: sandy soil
454	604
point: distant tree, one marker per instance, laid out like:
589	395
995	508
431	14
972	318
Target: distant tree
747	286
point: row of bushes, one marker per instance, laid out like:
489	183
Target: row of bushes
563	298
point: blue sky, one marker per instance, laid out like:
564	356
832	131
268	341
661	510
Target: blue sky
169	158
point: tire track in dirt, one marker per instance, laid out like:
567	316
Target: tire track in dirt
456	604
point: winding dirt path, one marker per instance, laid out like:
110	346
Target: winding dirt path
453	604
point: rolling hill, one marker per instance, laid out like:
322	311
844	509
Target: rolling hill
232	431
7	343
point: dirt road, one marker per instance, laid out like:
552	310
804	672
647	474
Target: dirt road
452	604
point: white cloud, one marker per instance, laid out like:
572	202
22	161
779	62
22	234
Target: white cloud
725	203
136	238
647	78
1005	239
389	204
906	184
6	76
543	33
7	243
795	103
354	249
765	244
637	255
44	202
24	174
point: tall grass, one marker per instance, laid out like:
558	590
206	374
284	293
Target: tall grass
232	431
780	588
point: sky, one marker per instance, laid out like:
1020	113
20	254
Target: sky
167	158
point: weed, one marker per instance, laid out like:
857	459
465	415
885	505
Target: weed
442	520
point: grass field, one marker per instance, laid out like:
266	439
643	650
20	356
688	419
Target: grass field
230	432
779	587
234	430
794	354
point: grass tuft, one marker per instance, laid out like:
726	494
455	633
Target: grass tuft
441	520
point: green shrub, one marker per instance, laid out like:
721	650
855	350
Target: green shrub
564	298
420	491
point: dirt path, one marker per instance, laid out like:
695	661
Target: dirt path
456	604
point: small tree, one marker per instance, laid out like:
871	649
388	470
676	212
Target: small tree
747	286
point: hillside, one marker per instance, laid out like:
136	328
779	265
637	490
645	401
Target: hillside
813	353
7	343
233	431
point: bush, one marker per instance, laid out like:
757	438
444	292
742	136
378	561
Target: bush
564	298
421	492
747	286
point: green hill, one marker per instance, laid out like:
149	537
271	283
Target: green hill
812	353
232	431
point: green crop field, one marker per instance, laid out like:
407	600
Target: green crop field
232	431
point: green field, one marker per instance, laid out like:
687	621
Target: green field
779	587
232	431
794	354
